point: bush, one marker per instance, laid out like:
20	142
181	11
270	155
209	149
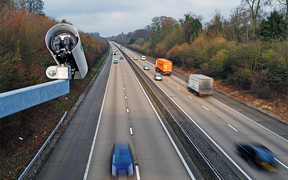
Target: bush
21	49
275	60
24	57
260	84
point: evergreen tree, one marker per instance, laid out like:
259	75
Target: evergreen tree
192	27
275	27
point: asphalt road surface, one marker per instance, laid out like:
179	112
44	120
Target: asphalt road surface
127	116
69	158
227	122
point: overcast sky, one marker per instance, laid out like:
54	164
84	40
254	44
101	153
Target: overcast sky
111	17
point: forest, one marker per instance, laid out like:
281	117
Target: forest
24	59
248	50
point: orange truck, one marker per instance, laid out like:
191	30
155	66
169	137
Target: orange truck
163	66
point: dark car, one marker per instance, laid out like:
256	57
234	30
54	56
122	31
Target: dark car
122	162
257	155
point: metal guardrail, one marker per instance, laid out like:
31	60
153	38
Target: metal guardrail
30	165
190	132
24	173
24	98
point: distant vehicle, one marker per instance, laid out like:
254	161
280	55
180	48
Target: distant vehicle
115	51
122	161
143	58
121	58
257	154
135	58
115	61
146	67
163	66
200	84
158	77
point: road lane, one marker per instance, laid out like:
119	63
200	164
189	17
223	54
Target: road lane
114	127
152	150
69	157
168	173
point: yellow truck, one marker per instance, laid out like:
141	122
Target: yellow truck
163	66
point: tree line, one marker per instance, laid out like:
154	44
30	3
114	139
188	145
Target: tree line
23	54
248	50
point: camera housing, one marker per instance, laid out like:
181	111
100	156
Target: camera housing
64	44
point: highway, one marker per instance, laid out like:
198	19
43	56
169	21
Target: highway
115	109
227	122
128	116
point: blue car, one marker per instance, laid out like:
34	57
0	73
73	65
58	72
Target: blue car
146	67
121	58
115	61
122	162
257	155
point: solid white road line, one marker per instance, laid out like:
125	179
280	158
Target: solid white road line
96	132
250	119
212	140
190	97
281	163
165	129
233	128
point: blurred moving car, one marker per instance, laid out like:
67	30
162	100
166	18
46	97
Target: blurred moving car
158	77
122	162
143	58
115	61
121	58
257	154
135	58
146	67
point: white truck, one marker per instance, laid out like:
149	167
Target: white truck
200	85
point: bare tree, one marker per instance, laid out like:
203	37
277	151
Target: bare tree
254	7
281	4
33	6
286	5
240	24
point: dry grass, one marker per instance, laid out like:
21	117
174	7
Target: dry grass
276	105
